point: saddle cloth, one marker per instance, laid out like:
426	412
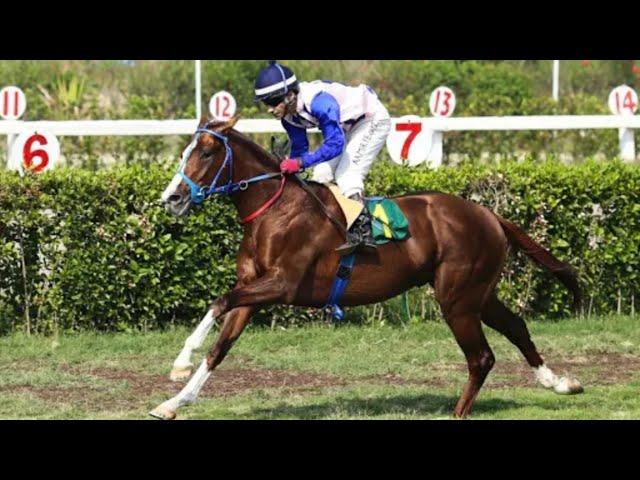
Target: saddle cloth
389	222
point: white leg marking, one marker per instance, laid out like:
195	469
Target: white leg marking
183	360
187	395
545	376
561	385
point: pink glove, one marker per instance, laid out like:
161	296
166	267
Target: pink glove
290	165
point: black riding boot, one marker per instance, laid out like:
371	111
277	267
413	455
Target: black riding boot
360	234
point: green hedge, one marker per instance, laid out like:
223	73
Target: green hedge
84	250
101	253
587	214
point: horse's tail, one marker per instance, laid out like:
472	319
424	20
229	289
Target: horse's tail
543	257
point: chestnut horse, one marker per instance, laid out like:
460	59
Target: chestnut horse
287	257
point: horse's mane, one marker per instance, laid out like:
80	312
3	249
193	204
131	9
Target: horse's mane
247	142
242	139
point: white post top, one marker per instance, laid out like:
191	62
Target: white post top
188	126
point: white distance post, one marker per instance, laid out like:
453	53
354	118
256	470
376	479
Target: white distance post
13	103
623	101
198	91
34	151
442	103
408	143
556	79
222	106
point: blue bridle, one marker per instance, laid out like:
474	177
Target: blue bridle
200	194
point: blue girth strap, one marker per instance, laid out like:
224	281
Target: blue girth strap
339	286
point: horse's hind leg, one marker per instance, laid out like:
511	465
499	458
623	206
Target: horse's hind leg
469	335
500	318
496	315
233	325
460	297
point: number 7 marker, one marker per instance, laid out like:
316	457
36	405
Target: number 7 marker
408	141
415	129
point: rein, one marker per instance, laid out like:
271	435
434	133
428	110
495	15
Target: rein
200	194
266	205
307	189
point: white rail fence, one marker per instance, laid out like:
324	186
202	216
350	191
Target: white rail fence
436	126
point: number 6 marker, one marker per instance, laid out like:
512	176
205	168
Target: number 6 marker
34	151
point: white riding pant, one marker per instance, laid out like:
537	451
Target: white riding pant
364	142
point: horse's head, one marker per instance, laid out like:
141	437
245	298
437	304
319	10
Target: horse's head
201	167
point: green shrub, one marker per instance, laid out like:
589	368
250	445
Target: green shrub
103	254
587	214
95	250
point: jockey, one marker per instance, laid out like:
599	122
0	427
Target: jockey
353	122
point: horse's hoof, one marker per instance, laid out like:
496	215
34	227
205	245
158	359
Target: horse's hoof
163	413
568	386
181	374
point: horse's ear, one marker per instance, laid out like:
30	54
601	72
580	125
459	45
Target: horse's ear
204	119
229	124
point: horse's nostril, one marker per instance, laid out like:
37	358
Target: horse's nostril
174	198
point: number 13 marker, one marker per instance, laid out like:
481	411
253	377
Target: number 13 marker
442	102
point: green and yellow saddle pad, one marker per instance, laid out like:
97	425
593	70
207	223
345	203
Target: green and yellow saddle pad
389	223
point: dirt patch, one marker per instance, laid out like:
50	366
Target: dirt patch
140	387
592	370
225	382
124	389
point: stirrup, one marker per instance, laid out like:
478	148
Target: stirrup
354	240
346	248
369	244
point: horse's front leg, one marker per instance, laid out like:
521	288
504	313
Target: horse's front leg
265	290
233	325
182	366
268	289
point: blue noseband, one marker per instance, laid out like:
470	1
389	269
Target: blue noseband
200	194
